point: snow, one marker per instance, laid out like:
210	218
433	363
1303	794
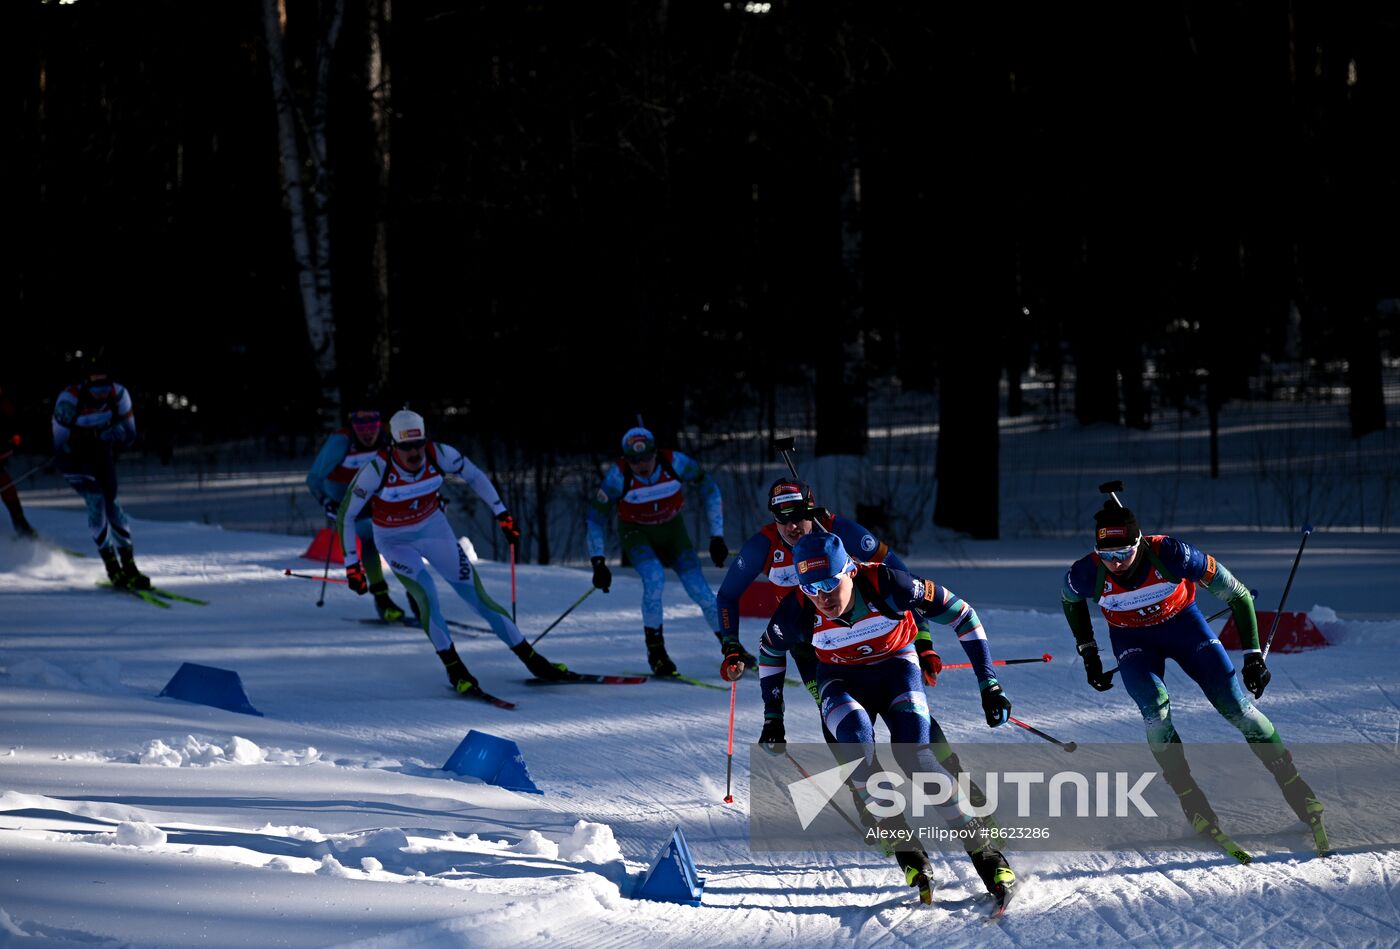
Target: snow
133	820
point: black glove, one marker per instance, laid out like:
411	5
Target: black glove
602	576
355	577
332	507
995	705
1093	668
1256	675
508	528
773	738
718	550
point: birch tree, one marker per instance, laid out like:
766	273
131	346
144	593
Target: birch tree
301	139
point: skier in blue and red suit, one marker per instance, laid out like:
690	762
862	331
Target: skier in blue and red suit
1146	587
344	453
861	621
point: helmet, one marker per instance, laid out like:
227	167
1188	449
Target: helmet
638	444
407	426
789	500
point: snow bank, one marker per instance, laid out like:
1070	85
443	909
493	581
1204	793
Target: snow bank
193	752
590	843
96	675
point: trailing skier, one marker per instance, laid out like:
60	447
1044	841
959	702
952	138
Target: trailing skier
344	453
648	489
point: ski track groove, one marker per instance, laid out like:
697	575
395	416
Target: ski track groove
1332	718
1386	886
1305	884
1167	905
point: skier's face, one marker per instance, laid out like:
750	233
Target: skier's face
793	531
643	467
836	602
409	454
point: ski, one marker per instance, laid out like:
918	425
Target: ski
1215	834
146	595
60	548
999	903
178	597
677	677
411	622
478	694
1319	834
589	677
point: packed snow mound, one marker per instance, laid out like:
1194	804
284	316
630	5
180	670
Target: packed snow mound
138	834
193	752
590	843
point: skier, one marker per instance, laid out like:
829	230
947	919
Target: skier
860	619
344	453
1146	587
9	441
410	528
91	419
647	488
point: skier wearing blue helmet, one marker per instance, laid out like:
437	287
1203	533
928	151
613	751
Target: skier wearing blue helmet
647	487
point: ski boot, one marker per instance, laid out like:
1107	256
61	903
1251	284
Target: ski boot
914	862
997	876
727	647
539	666
1201	815
135	579
387	609
1300	797
462	680
660	663
115	573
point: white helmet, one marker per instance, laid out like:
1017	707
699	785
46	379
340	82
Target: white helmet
407	426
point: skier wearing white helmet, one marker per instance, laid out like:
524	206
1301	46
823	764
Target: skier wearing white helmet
410	527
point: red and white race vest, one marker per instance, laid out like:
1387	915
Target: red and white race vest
650	503
356	458
872	639
1157	599
407	498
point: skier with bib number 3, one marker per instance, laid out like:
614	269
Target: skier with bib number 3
410	527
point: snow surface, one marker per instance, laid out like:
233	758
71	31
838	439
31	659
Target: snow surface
128	819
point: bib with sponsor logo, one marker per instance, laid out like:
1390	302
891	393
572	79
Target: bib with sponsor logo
406	498
870	639
650	503
356	458
1156	598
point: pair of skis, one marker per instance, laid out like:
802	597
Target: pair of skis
153	595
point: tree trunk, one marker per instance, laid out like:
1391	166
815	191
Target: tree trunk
379	97
310	232
968	449
842	402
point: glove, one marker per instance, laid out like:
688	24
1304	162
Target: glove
929	661
773	738
507	522
114	434
718	551
1093	668
355	576
995	705
602	576
731	668
1256	675
332	509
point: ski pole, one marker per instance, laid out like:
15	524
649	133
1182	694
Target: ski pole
1278	614
854	826
1001	662
326	574
35	470
512	583
562	615
1111	488
1209	619
311	576
729	765
783	446
1066	745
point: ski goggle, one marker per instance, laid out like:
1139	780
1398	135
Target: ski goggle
415	445
1119	554
365	423
793	515
821	586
